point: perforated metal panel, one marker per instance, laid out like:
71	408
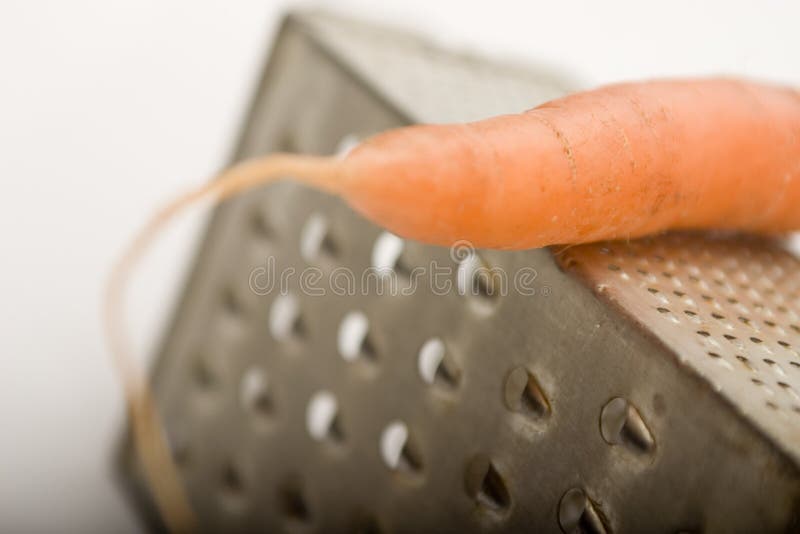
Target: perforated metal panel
543	390
729	307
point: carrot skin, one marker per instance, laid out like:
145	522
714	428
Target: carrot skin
618	162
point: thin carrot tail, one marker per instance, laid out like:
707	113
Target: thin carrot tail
149	439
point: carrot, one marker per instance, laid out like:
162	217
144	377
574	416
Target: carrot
618	162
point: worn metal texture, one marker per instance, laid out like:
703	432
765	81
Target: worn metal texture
541	390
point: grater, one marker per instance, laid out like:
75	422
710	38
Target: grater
642	386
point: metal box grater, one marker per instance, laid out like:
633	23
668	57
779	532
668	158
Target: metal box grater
645	386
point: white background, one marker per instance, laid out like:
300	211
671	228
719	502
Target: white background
107	107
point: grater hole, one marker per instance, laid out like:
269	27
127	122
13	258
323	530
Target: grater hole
522	393
435	365
622	424
204	377
746	363
485	486
232	302
231	484
353	341
292	501
285	321
322	417
260	223
316	241
398	451
476	279
756	340
387	255
254	393
577	513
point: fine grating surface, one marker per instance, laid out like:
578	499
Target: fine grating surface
737	298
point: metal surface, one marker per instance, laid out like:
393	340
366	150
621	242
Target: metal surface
552	395
728	307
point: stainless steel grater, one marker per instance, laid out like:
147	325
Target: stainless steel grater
645	386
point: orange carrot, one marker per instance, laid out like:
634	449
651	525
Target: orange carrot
617	162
